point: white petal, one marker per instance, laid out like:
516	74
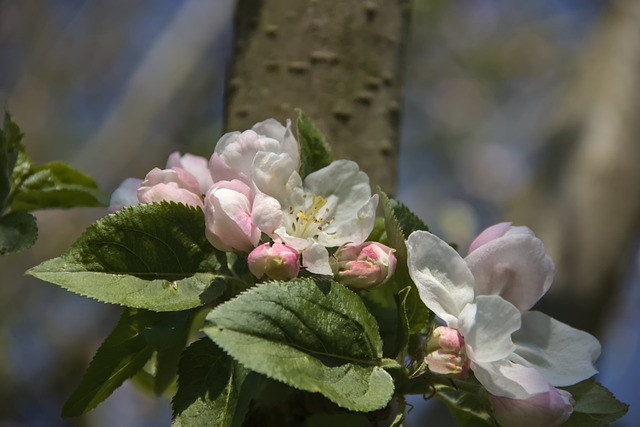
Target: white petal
507	379
315	258
564	355
487	326
274	129
515	267
271	173
266	213
443	279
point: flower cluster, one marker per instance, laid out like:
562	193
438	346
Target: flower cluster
255	201
518	355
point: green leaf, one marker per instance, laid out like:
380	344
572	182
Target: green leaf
315	153
154	256
321	330
415	315
57	185
595	405
213	389
415	311
408	221
168	338
469	409
121	355
10	148
18	231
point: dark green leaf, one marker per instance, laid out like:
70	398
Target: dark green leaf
213	389
595	405
121	355
323	331
408	221
315	153
469	409
18	231
337	420
154	256
414	312
382	304
168	338
57	185
10	148
414	309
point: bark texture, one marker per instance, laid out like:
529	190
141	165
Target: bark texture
338	60
586	205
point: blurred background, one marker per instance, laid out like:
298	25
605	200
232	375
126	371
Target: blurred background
517	111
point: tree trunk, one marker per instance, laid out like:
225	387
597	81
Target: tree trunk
586	205
338	60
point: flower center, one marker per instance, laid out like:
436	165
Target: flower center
309	221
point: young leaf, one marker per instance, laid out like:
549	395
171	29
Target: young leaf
322	330
414	314
168	337
121	355
18	231
10	148
153	256
213	389
315	153
415	310
57	185
595	405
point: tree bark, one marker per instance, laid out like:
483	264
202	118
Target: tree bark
338	60
586	204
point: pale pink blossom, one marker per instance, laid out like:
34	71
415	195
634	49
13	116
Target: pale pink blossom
514	353
549	409
278	262
176	185
125	195
197	166
364	266
228	210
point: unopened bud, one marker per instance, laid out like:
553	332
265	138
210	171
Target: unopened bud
278	262
364	266
446	352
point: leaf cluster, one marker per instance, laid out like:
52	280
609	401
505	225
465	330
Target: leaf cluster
25	187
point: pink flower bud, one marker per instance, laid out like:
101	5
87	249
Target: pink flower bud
228	208
548	409
446	352
364	266
278	262
176	185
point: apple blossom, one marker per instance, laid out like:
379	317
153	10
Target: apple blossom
175	185
278	262
228	208
332	207
514	353
197	166
364	266
235	152
125	195
548	409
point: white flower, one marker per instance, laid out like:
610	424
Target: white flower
514	353
332	207
235	152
